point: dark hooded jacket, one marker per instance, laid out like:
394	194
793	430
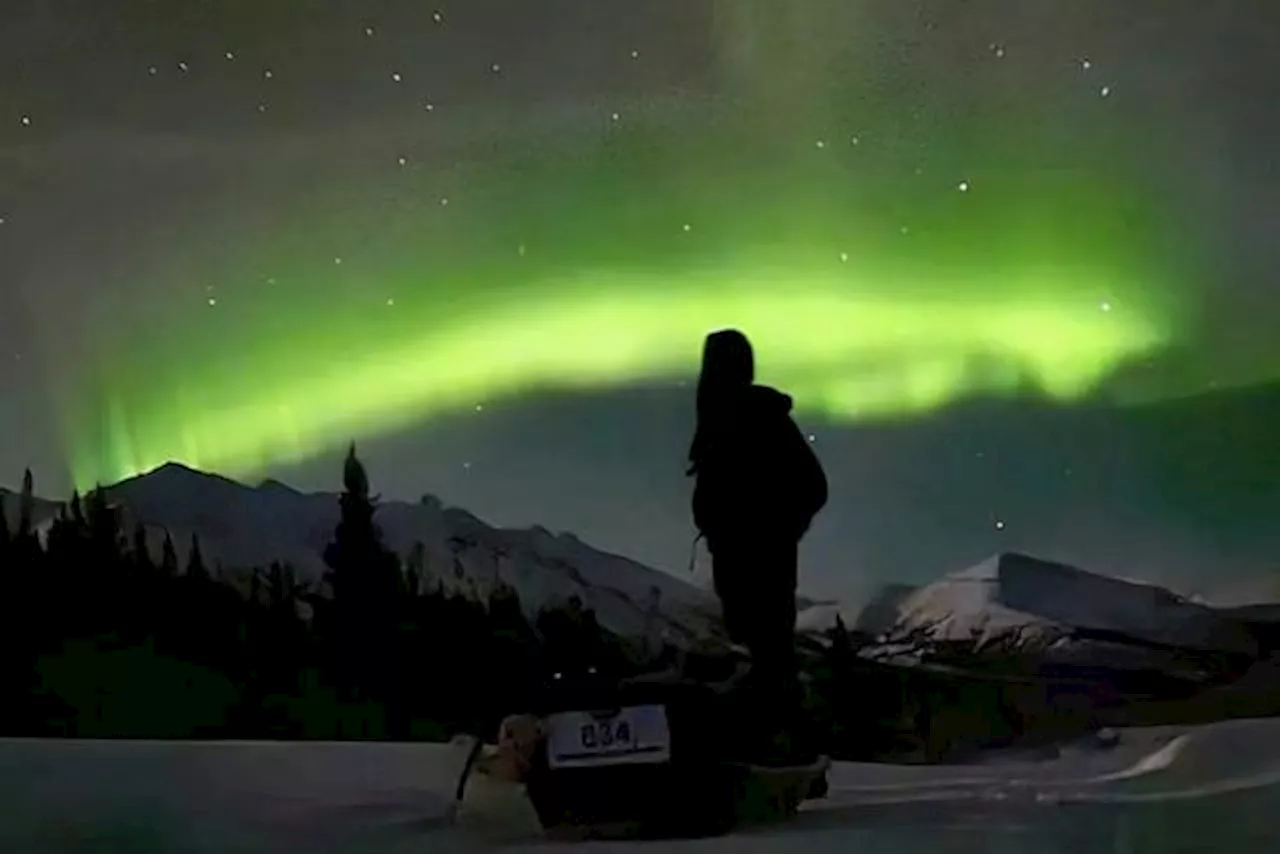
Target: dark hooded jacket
757	476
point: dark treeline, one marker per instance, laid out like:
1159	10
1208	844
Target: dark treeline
104	635
106	632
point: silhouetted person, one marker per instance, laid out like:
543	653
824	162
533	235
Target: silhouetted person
758	487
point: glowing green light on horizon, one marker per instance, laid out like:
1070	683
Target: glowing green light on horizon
845	353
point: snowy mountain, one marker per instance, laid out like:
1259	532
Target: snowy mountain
241	527
1016	593
1071	618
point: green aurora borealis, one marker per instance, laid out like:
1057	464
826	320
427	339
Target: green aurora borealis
871	287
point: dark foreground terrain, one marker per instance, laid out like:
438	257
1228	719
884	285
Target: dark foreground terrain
1214	788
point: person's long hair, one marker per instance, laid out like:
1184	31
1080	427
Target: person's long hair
728	365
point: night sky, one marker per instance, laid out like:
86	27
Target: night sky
485	239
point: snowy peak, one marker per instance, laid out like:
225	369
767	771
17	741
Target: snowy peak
1016	594
241	527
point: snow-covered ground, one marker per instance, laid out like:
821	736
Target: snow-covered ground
1215	788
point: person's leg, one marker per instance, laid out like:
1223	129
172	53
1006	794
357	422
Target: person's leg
774	665
775	610
732	571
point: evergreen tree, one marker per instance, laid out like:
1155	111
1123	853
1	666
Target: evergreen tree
415	569
367	598
114	602
62	540
515	667
76	509
141	551
103	523
168	557
840	653
196	569
25	544
26	507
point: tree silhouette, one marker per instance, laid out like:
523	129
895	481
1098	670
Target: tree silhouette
168	557
196	569
26	505
141	551
103	522
25	544
367	600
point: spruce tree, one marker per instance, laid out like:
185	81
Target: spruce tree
366	582
26	507
103	523
141	551
196	569
76	509
25	544
168	557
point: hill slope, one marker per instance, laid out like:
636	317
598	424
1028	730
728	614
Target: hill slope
242	527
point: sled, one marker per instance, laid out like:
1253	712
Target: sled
649	757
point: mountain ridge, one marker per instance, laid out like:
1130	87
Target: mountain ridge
241	527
